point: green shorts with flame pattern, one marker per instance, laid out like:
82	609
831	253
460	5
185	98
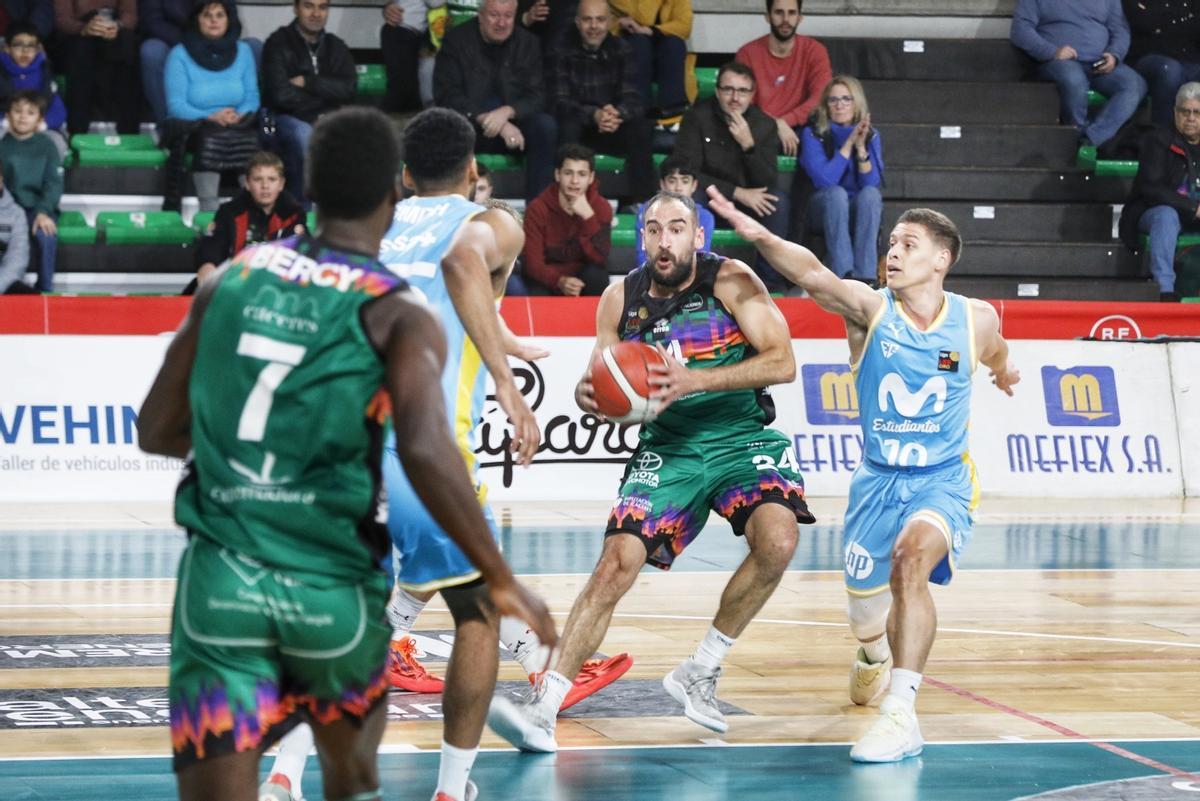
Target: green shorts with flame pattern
256	650
669	488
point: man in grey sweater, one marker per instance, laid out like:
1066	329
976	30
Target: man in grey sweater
14	244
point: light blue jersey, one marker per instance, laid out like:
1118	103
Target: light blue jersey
914	397
914	386
422	231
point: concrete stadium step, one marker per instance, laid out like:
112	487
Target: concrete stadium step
953	145
961	102
1083	260
1039	184
1018	222
1131	291
991	60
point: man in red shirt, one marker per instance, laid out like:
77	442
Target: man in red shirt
568	230
790	71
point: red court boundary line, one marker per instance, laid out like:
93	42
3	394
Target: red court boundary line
1063	730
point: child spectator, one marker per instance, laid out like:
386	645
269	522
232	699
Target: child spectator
33	173
14	245
482	192
23	65
676	175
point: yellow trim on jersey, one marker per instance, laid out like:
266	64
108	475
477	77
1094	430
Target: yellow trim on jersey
469	366
935	519
971	334
870	332
937	320
868	593
441	584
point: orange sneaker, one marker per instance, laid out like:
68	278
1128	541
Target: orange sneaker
596	674
277	787
406	673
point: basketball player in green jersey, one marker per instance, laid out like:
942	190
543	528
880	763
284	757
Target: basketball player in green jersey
272	387
708	449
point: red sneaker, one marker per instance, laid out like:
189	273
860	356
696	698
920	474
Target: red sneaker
277	787
596	674
406	673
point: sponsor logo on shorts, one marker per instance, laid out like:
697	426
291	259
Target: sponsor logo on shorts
1081	396
859	564
645	465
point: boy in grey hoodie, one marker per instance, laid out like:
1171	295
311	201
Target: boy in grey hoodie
14	244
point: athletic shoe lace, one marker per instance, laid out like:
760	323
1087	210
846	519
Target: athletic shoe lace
706	686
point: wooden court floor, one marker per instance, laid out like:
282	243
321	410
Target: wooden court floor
1068	658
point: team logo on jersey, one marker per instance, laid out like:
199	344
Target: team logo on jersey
1081	396
948	361
894	392
859	564
889	348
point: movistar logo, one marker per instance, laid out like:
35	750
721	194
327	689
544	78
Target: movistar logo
893	392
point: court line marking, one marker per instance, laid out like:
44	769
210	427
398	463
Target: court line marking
402	748
1058	728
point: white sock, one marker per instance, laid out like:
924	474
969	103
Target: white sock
454	769
556	688
877	650
523	644
402	612
293	753
712	649
905	684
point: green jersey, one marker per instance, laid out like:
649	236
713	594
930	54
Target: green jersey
286	440
696	328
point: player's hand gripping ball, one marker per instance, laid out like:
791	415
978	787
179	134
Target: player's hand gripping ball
621	381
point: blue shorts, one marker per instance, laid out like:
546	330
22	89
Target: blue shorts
429	559
883	501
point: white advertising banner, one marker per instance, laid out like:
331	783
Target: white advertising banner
68	419
1089	419
1185	380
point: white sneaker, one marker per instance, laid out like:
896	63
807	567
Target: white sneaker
695	687
869	680
276	788
471	794
893	736
526	725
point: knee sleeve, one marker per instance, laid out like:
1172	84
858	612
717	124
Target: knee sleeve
868	616
468	602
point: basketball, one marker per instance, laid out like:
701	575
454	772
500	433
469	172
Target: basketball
621	381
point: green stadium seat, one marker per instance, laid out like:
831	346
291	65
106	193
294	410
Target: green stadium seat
117	150
372	79
202	219
311	221
1184	241
607	163
499	162
1086	159
706	82
73	229
724	238
624	237
624	222
144	228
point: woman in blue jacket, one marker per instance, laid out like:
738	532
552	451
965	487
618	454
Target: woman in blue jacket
210	79
842	155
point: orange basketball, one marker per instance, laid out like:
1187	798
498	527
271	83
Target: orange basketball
621	381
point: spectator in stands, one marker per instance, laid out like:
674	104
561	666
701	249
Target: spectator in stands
734	146
14	245
592	81
658	31
676	175
212	99
1165	198
843	157
404	38
307	72
38	13
548	20
790	71
568	230
264	210
33	174
97	42
23	65
1081	46
482	192
161	23
491	71
1165	50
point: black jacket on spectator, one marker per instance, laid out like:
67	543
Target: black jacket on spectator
1166	29
1163	167
164	19
582	81
38	13
704	140
331	85
469	72
240	222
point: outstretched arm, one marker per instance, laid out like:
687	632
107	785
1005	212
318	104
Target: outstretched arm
853	300
415	354
993	349
484	244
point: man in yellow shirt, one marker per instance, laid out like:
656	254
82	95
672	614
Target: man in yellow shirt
658	31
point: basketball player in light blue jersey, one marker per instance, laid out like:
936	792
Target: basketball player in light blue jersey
913	348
